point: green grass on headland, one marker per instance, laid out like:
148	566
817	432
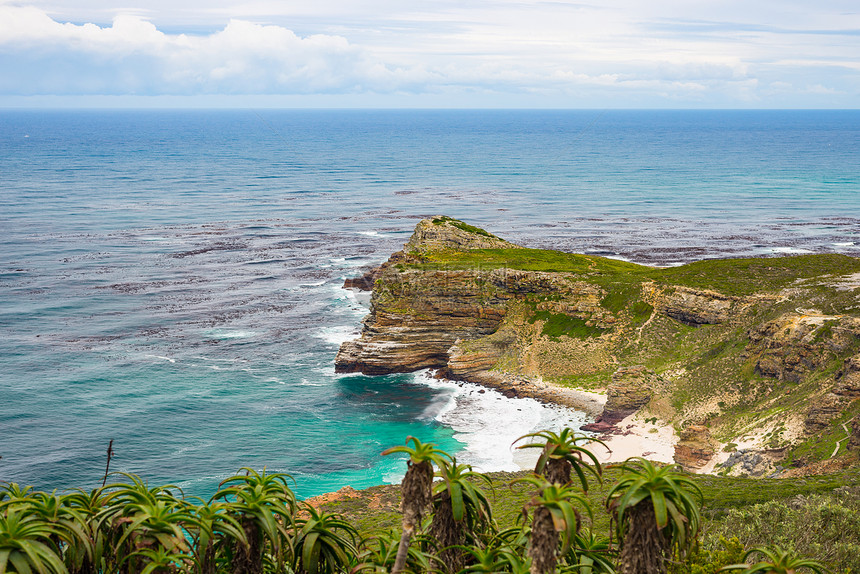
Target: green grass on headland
738	277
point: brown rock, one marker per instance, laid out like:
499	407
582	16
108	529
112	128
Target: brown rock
796	344
441	232
693	306
823	411
695	448
848	378
630	390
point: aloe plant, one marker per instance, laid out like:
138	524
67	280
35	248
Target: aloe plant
264	506
415	490
26	543
461	510
563	453
555	513
656	514
214	533
776	561
322	543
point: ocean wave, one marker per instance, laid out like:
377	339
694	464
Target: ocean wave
790	250
337	334
488	423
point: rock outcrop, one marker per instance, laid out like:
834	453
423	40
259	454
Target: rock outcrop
417	314
629	390
442	233
692	306
845	390
796	344
695	448
534	323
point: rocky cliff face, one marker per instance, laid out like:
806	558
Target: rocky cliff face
478	308
798	343
693	306
418	314
695	448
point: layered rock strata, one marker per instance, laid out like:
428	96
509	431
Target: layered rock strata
531	323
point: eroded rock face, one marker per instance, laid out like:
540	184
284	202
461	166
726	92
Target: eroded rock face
848	379
629	390
823	411
796	344
831	405
692	306
695	448
417	315
440	232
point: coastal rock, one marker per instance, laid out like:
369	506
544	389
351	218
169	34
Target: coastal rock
467	361
695	448
848	379
692	306
441	232
796	344
418	314
629	390
823	411
831	406
854	440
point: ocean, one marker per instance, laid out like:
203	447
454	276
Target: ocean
172	280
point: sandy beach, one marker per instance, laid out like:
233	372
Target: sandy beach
633	436
636	437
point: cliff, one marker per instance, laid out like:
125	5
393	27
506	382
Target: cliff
763	353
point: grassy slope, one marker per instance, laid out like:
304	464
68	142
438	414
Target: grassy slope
717	375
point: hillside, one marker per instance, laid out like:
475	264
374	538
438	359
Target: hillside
754	362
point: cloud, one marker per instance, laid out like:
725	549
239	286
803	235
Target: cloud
40	55
619	52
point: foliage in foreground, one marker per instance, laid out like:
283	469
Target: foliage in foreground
255	524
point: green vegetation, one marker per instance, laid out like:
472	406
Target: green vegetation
558	324
737	277
255	524
463	226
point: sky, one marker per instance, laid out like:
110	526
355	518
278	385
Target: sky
431	53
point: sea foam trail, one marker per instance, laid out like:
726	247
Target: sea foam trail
488	423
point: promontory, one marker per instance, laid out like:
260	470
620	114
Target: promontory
755	361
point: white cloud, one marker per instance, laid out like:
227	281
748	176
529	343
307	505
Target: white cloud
617	52
40	55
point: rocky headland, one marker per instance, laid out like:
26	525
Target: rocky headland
746	359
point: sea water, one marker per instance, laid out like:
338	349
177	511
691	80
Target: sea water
172	280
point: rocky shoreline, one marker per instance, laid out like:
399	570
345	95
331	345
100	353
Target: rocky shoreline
529	323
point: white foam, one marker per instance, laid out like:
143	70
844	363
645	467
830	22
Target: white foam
488	423
338	334
794	250
845	244
370	233
228	334
160	357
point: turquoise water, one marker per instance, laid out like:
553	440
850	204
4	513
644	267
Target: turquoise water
171	280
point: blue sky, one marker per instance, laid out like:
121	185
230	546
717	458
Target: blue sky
440	53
